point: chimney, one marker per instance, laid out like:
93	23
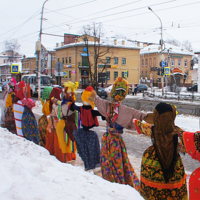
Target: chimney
159	48
138	44
115	42
123	42
170	48
76	40
149	49
181	49
62	43
57	44
191	51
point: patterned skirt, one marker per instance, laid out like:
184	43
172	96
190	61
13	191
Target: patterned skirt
88	148
115	164
7	119
29	126
42	124
153	185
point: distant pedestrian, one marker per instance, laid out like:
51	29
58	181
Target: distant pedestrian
135	89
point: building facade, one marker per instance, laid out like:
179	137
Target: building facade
176	58
122	58
6	59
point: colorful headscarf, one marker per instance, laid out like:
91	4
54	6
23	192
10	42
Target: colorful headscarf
56	94
86	96
70	90
20	93
164	137
46	93
120	89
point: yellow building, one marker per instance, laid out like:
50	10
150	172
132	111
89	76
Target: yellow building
29	65
122	58
179	63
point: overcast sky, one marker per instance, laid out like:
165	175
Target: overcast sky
20	19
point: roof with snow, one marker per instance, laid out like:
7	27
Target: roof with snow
172	49
111	42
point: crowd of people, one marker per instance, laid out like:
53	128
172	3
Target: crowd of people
64	129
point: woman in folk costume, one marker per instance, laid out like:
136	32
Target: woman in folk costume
25	121
86	140
162	171
66	126
7	117
115	164
43	122
52	144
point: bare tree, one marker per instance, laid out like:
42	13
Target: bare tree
95	56
12	48
187	45
173	41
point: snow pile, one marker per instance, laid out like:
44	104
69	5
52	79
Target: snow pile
29	172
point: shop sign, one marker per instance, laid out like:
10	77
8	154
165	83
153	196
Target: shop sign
113	66
177	70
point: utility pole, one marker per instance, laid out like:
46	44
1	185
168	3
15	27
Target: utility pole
39	49
161	43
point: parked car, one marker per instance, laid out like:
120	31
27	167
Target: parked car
142	87
193	87
102	93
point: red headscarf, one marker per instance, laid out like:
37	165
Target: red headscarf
20	93
56	94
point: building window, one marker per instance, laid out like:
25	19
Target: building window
123	61
146	73
172	63
142	62
115	60
66	60
186	63
123	75
4	61
142	74
179	63
108	75
150	62
107	59
54	57
63	60
154	62
146	62
58	59
70	60
115	75
69	74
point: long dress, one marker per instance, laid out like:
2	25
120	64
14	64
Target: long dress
64	130
87	141
153	184
52	144
115	164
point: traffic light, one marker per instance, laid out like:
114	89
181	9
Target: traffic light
162	71
158	71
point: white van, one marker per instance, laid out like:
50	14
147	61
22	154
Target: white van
32	80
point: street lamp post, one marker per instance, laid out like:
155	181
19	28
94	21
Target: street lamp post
39	48
161	43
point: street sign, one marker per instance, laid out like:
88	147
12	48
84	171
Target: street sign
162	57
167	70
163	64
15	68
125	74
59	66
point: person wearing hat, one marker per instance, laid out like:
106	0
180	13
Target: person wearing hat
162	171
87	140
115	164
